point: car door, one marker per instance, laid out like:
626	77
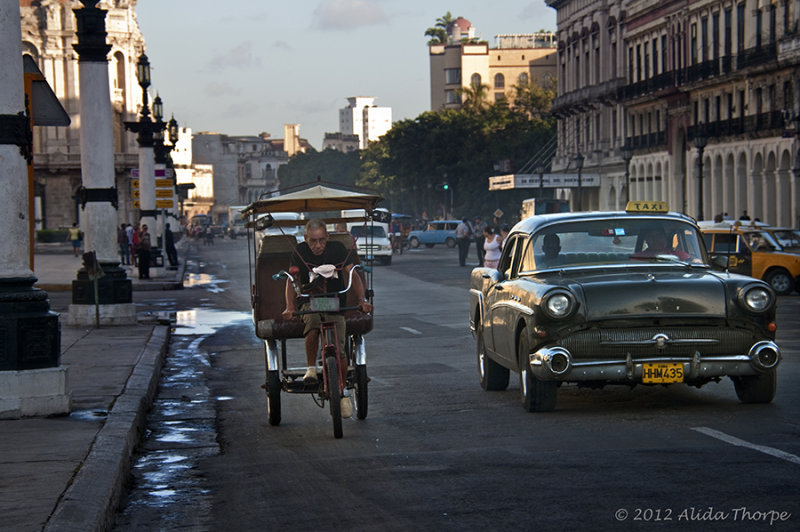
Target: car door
740	258
501	308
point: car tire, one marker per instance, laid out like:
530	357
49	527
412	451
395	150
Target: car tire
756	388
493	376
274	398
781	281
413	242
451	242
536	395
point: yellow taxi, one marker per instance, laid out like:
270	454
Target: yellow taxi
754	251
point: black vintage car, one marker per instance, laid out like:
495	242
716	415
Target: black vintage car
619	298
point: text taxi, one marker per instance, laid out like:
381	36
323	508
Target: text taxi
619	297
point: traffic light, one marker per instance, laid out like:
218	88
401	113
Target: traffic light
445	186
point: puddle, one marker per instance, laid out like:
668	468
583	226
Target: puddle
89	415
207	320
204	280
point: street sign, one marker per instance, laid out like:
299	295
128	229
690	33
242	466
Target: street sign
159	172
135	193
164	193
135	183
511	181
164	204
163	183
136	204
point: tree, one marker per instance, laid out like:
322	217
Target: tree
438	33
475	98
534	100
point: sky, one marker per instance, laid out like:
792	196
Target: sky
250	66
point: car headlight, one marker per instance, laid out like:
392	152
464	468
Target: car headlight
558	304
756	298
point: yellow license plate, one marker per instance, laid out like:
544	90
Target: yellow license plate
662	373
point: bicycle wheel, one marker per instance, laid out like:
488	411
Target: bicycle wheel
274	398
334	396
360	391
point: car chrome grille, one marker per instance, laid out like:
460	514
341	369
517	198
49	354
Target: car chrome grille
672	341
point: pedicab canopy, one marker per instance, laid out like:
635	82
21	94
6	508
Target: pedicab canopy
318	198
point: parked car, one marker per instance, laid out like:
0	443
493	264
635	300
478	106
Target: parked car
752	251
436	232
595	299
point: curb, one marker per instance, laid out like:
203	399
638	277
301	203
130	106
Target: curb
91	500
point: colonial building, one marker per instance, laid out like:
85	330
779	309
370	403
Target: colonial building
48	33
516	60
243	167
671	81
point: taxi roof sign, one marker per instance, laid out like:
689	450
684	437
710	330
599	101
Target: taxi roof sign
646	207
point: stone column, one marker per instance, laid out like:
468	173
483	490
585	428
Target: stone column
98	192
31	381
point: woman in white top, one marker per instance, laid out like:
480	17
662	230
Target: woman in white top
491	248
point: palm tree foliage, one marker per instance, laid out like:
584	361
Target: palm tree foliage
438	33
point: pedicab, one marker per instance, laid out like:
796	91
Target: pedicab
269	256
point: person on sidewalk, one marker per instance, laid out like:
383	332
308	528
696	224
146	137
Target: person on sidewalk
169	247
143	252
491	247
74	235
463	233
478	228
135	244
124	247
330	263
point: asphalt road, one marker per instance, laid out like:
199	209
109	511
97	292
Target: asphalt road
437	452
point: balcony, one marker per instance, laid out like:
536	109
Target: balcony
757	56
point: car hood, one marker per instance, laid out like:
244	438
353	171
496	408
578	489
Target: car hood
656	292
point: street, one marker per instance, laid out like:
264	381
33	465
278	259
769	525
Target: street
436	451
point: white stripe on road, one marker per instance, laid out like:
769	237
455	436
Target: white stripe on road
409	329
777	453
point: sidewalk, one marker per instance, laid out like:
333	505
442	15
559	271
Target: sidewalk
67	472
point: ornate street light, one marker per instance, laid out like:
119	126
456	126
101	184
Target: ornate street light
700	142
143	71
540	170
579	164
627	155
172	128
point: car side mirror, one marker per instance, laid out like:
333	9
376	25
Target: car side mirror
721	261
494	275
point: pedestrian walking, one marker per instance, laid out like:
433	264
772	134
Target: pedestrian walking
169	247
491	246
143	253
75	236
478	229
124	246
463	233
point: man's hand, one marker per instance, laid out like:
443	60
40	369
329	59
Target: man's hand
288	313
365	307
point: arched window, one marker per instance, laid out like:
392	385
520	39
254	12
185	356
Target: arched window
522	80
475	80
499	81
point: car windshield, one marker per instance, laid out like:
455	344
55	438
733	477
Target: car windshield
614	241
761	241
788	238
365	231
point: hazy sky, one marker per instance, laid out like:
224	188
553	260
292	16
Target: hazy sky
249	66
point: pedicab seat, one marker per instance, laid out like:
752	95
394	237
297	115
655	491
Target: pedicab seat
274	255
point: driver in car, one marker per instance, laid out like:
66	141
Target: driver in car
655	242
323	267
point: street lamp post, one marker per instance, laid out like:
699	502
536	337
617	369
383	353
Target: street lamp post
146	128
540	170
579	164
627	155
700	142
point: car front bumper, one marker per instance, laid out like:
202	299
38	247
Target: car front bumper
557	363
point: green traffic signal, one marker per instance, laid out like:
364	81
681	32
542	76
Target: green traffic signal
445	186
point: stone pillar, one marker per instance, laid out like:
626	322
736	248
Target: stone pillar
98	194
31	381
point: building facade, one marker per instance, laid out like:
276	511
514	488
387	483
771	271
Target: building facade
672	80
48	33
364	119
516	60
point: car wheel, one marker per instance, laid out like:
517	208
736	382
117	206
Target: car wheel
756	388
428	246
781	281
493	376
451	242
414	242
536	395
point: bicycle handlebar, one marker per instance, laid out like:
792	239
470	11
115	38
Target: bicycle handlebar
283	274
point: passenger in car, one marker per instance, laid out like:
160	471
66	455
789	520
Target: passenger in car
551	248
